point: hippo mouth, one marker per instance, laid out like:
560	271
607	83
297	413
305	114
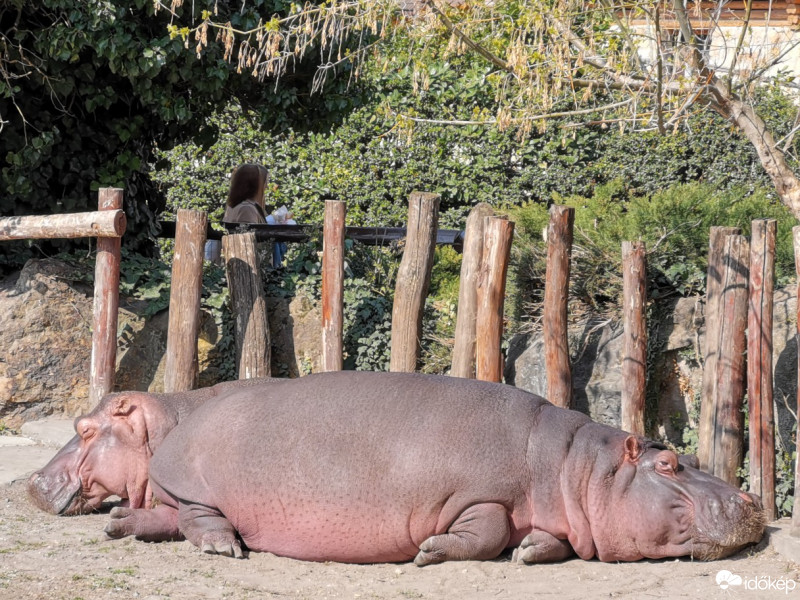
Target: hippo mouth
746	528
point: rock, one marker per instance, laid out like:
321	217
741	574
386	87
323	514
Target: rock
45	333
674	369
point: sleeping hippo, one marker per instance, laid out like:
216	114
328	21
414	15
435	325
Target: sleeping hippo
383	467
111	452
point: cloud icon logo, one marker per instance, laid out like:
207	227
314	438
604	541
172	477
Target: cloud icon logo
725	579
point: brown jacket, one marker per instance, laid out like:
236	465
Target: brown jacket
244	212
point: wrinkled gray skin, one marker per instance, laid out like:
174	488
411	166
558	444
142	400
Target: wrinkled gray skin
382	467
110	455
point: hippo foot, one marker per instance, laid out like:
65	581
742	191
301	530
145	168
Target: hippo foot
208	529
159	524
541	547
479	533
221	542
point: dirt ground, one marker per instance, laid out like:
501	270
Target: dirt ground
68	558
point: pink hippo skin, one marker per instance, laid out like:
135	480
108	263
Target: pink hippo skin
110	455
381	467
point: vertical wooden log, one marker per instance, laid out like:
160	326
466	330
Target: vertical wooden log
184	301
333	285
759	363
634	361
463	363
556	296
243	272
716	251
498	235
413	280
106	305
726	451
796	504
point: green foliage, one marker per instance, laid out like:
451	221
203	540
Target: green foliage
92	87
146	279
673	223
784	482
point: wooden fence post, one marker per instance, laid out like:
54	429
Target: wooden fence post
242	268
796	504
759	363
463	362
180	373
716	252
726	451
498	235
106	303
413	279
634	361
333	286
556	297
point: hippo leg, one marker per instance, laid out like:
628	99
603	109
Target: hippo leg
208	529
159	524
540	547
481	532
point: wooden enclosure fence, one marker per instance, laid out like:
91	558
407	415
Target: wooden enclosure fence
108	225
556	298
413	279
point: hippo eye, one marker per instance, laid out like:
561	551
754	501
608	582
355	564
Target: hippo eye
85	429
666	463
665	467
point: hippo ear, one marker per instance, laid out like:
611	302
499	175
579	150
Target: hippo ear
633	448
121	406
130	418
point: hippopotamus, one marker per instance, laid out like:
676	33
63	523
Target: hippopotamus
388	467
110	453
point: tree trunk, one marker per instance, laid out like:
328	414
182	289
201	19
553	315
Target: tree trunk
741	114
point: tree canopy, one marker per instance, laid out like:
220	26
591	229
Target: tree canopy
89	88
544	59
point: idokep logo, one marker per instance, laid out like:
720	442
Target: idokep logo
726	579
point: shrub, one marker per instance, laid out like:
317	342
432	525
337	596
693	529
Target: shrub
673	223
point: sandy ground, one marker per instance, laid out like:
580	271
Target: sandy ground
68	558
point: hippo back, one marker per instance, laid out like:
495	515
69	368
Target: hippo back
308	459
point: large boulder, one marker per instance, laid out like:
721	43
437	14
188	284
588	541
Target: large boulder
675	369
46	339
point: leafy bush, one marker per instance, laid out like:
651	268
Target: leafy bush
674	224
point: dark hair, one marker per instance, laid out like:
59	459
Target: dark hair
247	183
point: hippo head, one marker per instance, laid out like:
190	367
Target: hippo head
110	455
651	503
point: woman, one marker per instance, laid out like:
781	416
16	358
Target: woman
246	196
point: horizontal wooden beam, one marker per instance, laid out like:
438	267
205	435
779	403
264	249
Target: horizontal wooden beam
106	223
705	24
370	236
